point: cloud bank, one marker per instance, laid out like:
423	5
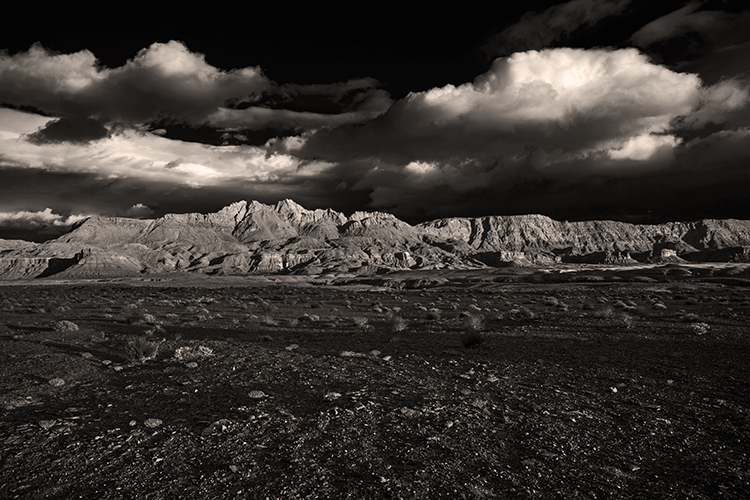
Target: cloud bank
534	133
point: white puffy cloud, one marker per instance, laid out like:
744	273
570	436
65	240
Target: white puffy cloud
570	101
139	211
44	218
164	80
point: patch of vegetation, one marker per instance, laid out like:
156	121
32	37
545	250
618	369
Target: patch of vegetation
65	326
140	349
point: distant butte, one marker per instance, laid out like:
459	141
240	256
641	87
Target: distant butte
254	238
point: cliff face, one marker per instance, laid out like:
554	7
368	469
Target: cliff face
534	234
246	238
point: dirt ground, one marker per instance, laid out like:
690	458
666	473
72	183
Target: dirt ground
507	383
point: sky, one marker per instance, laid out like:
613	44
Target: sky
629	110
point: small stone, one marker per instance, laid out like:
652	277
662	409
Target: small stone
331	396
291	347
386	358
375	353
87	355
192	364
132	423
106	362
152	423
613	389
492	379
257	394
117	368
234	468
408	412
56	382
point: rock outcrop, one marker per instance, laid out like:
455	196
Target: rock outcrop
246	238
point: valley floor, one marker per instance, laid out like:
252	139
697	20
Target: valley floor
594	383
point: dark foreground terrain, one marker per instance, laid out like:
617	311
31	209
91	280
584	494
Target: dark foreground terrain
629	383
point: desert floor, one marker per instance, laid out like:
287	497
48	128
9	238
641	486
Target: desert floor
505	383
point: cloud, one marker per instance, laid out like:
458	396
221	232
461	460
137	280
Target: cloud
682	21
167	84
537	30
569	101
36	220
165	79
147	156
692	38
534	117
139	211
69	129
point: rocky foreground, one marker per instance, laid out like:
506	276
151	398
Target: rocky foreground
254	238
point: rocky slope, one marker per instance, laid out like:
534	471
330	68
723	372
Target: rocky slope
246	238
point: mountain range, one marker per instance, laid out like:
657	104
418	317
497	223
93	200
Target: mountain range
255	238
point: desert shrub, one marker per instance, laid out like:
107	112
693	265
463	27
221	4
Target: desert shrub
360	321
518	313
156	329
626	320
472	338
700	328
134	315
433	314
65	326
398	324
605	312
189	353
141	349
474	322
268	320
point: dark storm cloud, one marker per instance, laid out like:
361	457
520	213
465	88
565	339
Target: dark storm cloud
537	30
700	38
74	129
539	123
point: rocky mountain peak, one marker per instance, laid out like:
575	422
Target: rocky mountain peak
252	237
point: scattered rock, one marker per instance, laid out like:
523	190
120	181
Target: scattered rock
217	427
106	362
375	353
257	394
87	355
192	364
56	382
292	347
408	412
331	396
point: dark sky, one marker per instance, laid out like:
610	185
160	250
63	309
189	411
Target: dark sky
620	109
